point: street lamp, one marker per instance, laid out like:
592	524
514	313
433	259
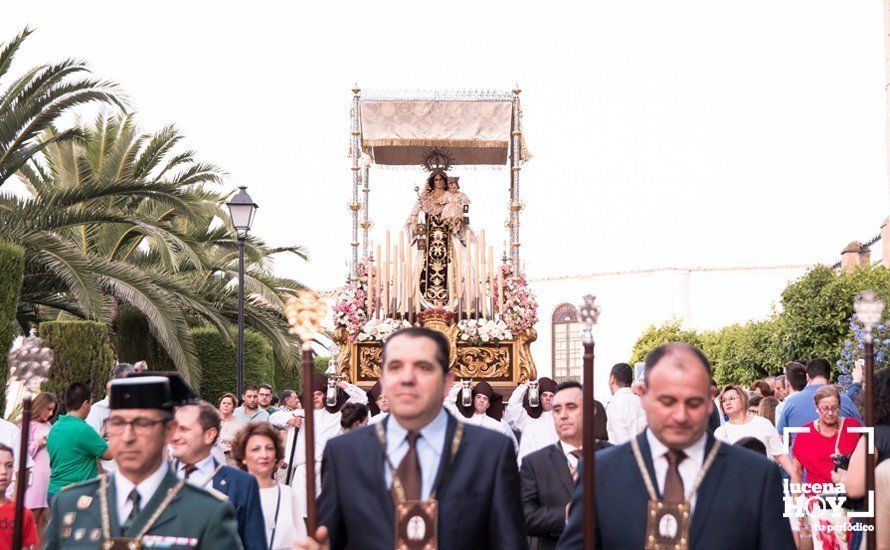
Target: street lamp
242	210
870	312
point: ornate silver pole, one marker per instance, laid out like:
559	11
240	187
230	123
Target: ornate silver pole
590	313
355	205
366	222
515	160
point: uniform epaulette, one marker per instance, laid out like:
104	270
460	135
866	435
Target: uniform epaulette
79	484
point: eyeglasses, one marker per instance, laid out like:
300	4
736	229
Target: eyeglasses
142	426
832	409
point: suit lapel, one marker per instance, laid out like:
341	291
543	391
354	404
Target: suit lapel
221	480
646	451
380	467
561	467
446	450
708	489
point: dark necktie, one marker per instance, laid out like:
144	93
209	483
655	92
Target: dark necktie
409	469
134	498
574	471
673	483
189	470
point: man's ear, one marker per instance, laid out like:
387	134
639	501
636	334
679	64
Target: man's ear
449	381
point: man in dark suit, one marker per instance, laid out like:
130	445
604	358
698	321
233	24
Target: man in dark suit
196	433
548	474
739	504
470	471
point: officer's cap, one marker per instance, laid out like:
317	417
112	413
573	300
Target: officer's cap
151	390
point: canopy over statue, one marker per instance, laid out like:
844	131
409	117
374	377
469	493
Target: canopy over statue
436	270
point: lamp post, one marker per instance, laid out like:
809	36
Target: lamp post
589	312
242	210
869	311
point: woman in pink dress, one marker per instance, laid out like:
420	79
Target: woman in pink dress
42	410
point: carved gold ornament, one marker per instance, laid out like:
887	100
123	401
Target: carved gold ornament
304	314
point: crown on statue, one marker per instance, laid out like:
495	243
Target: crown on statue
437	160
436	319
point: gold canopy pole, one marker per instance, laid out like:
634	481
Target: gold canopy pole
355	206
304	314
366	222
515	160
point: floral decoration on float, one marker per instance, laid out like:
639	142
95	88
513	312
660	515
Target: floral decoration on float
350	309
378	330
483	331
520	310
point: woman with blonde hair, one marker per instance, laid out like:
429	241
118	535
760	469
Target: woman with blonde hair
767	409
43	408
734	402
258	450
229	426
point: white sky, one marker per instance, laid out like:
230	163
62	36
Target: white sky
664	133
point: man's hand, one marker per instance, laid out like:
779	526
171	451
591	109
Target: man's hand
295	421
320	542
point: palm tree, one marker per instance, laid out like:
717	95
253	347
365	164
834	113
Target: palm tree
120	218
32	102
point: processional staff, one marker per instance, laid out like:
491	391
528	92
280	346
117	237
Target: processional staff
589	315
29	365
305	313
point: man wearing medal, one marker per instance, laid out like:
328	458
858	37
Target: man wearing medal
674	485
143	504
419	479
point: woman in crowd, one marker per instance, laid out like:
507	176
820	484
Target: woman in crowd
734	402
258	450
827	443
754	403
761	388
353	416
229	426
43	408
767	409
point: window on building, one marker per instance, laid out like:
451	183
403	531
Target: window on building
566	343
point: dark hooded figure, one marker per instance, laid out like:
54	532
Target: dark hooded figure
376	401
546	390
320	394
535	424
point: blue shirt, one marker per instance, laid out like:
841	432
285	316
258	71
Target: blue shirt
799	409
429	449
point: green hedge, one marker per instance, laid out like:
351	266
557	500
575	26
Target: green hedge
134	342
218	362
12	265
82	354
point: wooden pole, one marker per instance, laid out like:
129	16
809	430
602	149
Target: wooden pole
309	409
588	449
869	421
22	479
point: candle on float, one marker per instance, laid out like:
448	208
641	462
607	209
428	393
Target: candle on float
480	252
396	279
369	290
468	275
490	303
378	282
500	291
403	276
455	261
387	278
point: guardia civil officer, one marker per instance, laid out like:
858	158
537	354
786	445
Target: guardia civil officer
143	504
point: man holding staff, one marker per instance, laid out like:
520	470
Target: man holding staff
420	477
668	486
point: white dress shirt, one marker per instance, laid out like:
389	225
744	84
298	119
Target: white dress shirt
379	417
689	467
146	490
624	416
201	477
567	449
430	446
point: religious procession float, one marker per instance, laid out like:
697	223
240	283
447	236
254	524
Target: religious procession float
436	271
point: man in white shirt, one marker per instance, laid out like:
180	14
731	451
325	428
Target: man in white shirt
197	428
485	409
624	414
534	423
11	436
326	421
99	411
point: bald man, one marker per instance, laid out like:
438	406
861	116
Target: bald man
739	502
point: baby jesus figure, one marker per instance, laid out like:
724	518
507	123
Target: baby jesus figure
453	203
